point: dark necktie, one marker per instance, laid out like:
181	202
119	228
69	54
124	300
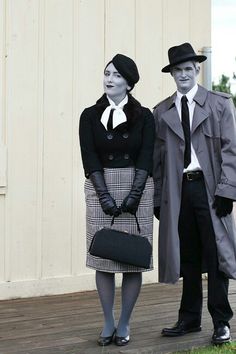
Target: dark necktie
186	129
110	120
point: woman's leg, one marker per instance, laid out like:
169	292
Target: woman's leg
130	290
106	289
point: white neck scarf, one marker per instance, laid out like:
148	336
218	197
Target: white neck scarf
118	114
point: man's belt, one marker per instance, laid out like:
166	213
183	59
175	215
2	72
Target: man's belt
192	175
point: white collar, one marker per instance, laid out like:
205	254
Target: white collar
120	105
190	94
119	116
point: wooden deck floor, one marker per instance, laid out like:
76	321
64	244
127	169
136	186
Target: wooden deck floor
70	324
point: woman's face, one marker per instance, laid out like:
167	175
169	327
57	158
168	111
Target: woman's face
115	86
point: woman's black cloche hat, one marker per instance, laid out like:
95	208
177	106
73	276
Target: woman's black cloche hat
127	68
180	54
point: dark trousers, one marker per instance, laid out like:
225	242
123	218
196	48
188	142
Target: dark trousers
198	246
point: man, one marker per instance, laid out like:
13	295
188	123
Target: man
195	185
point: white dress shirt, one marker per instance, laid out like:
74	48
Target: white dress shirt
194	165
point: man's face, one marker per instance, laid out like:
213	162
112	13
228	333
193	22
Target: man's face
185	75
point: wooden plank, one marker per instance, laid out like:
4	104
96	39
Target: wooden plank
2	237
57	168
88	87
120	28
70	324
21	138
149	37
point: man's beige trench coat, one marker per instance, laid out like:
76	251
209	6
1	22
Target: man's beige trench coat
214	140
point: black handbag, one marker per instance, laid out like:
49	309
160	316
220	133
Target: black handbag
122	247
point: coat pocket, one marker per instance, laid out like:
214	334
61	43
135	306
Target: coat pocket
211	130
212	136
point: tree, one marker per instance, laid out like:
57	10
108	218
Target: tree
224	86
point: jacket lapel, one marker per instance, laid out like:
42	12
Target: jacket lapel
200	114
171	117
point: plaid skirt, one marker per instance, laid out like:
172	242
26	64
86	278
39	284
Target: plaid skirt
119	182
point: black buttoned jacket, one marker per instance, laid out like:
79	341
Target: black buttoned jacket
129	144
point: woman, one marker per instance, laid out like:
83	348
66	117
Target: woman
117	139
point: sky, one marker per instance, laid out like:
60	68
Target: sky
224	40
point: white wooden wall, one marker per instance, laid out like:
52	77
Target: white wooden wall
52	55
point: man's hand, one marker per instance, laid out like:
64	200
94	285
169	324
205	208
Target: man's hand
223	206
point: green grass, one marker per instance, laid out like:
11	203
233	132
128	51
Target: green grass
219	349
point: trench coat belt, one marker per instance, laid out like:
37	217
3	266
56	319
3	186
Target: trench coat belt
192	175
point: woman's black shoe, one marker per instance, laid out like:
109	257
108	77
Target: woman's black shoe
121	340
103	341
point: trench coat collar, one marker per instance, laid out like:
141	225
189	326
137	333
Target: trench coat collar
200	114
201	95
171	117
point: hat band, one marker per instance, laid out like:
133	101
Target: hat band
185	58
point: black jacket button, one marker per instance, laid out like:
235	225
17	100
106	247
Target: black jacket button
126	156
109	136
125	135
110	157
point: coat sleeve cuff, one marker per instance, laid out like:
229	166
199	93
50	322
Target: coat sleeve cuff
226	190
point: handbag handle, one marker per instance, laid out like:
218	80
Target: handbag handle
136	219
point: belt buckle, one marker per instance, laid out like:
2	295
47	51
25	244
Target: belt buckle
189	176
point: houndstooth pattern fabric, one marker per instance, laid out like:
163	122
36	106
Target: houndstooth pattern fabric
119	182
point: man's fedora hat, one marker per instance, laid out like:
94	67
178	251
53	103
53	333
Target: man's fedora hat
180	54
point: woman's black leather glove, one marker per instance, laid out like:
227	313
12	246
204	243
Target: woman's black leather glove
156	212
108	204
222	205
131	202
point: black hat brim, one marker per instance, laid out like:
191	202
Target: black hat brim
199	58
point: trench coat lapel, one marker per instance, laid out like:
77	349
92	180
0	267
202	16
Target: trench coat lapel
171	117
200	114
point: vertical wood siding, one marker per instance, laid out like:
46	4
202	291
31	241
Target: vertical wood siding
52	56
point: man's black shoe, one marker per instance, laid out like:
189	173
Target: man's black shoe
181	328
221	335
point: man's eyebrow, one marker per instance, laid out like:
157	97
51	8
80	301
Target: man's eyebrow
178	67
